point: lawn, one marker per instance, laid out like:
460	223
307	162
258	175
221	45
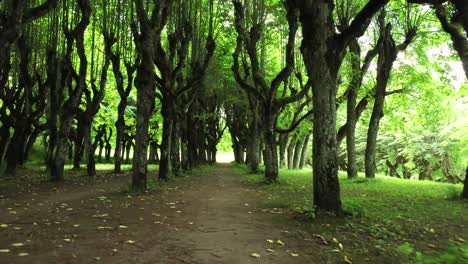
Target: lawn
391	219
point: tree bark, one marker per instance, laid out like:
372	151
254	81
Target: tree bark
270	155
323	51
387	57
304	153
290	151
145	97
124	93
165	166
175	146
252	148
350	110
283	142
297	153
464	194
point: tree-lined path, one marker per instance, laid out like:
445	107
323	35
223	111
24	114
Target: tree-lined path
210	218
347	121
215	215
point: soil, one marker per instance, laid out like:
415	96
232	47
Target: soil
210	217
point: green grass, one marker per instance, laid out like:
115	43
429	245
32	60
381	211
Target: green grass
386	212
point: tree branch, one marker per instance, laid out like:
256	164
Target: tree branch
362	20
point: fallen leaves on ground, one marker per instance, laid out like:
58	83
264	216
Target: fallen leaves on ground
17	244
255	255
279	242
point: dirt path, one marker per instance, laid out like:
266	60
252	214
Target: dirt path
209	218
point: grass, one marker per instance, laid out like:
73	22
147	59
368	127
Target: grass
386	212
154	185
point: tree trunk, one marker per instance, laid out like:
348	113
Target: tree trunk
29	145
351	117
145	105
101	149
304	153
128	147
297	153
4	141
91	162
387	56
191	142
60	155
322	67
252	148
464	194
70	150
108	151
120	124
83	137
325	166
290	151
153	152
165	166
283	142
175	146
393	169
270	155
119	135
15	152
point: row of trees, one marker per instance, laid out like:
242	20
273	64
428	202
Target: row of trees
323	51
276	85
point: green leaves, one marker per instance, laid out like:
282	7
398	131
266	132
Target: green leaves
405	249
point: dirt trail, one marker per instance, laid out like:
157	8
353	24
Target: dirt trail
210	218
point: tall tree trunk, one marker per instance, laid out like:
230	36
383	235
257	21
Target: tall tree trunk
283	142
15	152
297	153
387	56
351	117
153	154
290	151
165	166
304	153
175	146
252	148
128	148
323	51
270	155
145	97
82	139
322	65
58	163
120	124
91	162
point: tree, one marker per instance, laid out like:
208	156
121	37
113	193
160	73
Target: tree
323	51
62	74
454	22
146	37
266	94
171	63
